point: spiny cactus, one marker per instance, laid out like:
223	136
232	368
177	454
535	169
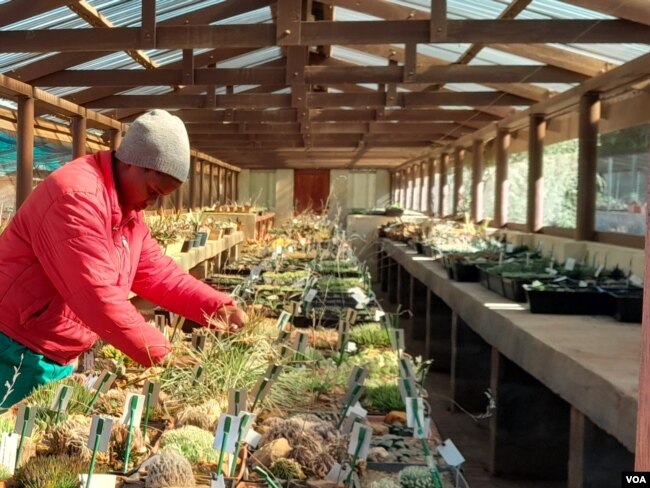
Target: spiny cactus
203	416
416	477
170	469
59	471
287	469
191	442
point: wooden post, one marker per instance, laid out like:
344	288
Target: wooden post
589	117
201	184
115	139
218	185
477	181
444	187
417	187
536	173
430	187
178	198
459	155
403	187
24	149
236	189
192	200
78	129
502	146
211	189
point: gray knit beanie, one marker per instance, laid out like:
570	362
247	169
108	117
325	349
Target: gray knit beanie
157	140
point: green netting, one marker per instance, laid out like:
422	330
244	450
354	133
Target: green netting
48	155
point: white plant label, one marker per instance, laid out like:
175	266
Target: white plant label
510	248
397	339
98	481
551	271
198	373
560	279
253	438
198	340
137	414
351	347
450	453
246	419
278	250
362	441
283	320
598	271
8	450
26	416
359	295
255	272
153	388
226	436
105	435
311	294
338	473
358	410
378	315
583	284
406	368
407	388
236	401
351	316
89	360
273	371
636	280
570	264
90	381
415	415
349	422
261	389
344	326
61	398
104	381
357	376
220	482
300	344
352	396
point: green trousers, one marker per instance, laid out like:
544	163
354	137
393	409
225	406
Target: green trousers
22	370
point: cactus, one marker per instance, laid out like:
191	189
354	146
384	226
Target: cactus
191	442
111	403
321	464
287	469
416	477
59	471
204	416
384	484
119	436
170	469
70	437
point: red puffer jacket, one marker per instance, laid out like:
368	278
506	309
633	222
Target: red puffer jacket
68	260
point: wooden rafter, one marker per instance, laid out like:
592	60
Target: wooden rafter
634	10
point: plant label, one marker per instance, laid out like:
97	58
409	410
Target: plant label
344	326
379	314
570	264
415	415
359	295
636	280
551	271
598	271
25	420
406	368
294	308
407	388
98	481
134	403
450	453
198	340
349	422
352	396
227	431
105	381
255	272
246	419
283	320
300	344
509	260
351	348
510	248
253	438
283	335
583	284
358	410
88	361
397	339
338	473
311	294
285	351
431	463
273	371
560	279
90	381
161	323
278	250
219	482
360	441
198	373
342	343
358	376
237	401
260	390
104	433
8	448
61	398
355	482
152	389
350	316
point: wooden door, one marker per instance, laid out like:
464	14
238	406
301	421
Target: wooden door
311	188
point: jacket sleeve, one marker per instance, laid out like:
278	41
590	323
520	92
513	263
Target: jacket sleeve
71	245
161	280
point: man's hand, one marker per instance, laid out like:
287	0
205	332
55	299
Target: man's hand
230	318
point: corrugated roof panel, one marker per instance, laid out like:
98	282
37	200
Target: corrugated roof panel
63	91
444	52
468	87
346	15
554	9
489	56
260	56
116	60
613	53
147	90
351	55
9	61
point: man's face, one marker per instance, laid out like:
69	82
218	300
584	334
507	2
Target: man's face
141	187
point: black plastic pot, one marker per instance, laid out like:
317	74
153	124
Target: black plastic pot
587	301
419	247
202	237
495	283
464	272
187	245
483	277
627	304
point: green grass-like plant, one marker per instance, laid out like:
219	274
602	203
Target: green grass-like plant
58	471
383	398
370	335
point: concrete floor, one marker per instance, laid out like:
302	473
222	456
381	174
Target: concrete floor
471	437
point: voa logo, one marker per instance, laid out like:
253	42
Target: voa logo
635	479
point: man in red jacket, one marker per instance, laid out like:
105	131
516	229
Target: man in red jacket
77	247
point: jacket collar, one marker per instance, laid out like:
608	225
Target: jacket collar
118	218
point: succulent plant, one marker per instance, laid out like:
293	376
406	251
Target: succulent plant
111	403
43	396
384	484
321	464
119	437
191	442
5	474
58	471
204	416
416	477
70	437
170	469
287	469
